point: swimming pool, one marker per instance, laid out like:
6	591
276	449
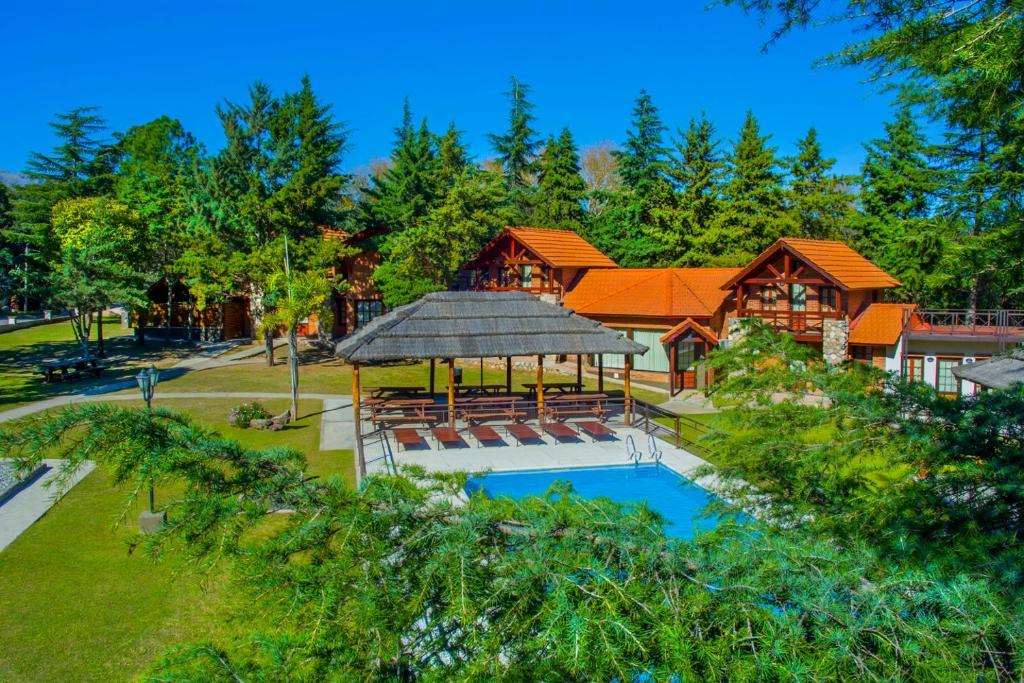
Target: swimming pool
678	500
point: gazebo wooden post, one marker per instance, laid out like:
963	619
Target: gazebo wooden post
358	422
600	372
540	389
629	403
579	370
672	362
432	363
451	393
508	374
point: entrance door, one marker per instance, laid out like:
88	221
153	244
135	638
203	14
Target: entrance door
687	354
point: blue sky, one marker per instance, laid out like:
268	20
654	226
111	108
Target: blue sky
586	63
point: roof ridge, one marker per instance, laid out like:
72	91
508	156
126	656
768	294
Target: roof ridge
695	295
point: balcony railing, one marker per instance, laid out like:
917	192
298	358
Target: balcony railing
999	324
802	323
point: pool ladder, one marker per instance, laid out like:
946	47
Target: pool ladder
636	455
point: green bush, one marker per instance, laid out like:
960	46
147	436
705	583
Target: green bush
242	415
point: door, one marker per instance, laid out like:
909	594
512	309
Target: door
687	355
945	382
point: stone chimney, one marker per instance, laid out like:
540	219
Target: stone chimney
835	336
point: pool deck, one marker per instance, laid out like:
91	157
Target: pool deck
506	456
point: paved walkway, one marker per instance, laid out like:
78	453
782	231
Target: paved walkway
32	502
337	430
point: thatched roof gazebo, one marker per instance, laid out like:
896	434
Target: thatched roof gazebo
451	325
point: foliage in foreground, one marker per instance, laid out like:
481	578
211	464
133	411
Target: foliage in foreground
394	581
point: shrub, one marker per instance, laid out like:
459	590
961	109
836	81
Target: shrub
242	415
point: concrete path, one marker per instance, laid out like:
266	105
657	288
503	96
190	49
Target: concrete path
32	502
337	430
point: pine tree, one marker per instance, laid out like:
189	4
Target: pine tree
631	226
561	189
452	160
81	165
517	149
401	197
897	193
752	214
697	171
642	158
819	201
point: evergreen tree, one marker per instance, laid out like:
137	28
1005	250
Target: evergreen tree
630	228
818	200
517	149
897	193
9	281
452	160
561	189
752	214
404	194
427	257
642	158
697	171
80	165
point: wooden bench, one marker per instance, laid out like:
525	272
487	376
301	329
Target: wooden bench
596	429
560	430
480	389
70	369
406	410
521	433
561	387
487	408
380	392
484	433
447	436
407	437
560	407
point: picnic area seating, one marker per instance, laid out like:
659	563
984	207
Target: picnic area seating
407	437
487	408
596	429
521	433
447	436
480	389
402	410
560	430
70	369
551	387
561	407
394	391
484	434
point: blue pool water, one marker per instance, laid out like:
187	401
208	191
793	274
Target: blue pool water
678	500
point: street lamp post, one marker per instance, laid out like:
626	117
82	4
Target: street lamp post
148	378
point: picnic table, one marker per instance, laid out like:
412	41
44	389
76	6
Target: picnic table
560	387
560	407
401	410
480	389
487	407
380	392
69	369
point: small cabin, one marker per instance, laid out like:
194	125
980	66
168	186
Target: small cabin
543	262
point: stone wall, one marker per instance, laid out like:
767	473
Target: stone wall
835	335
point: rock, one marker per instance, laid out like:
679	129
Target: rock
233	417
835	336
260	424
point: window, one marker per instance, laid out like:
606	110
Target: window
913	368
798	297
864	354
945	382
686	356
827	298
525	276
367	310
769	297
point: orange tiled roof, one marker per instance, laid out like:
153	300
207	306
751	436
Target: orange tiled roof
836	260
689	324
879	324
651	292
561	248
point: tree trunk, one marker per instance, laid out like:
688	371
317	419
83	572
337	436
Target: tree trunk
101	352
293	362
268	342
170	308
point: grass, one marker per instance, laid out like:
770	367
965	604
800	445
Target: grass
76	606
320	375
22	351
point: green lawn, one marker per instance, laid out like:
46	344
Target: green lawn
329	376
77	607
21	352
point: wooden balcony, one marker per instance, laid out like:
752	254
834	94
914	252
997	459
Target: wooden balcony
535	290
1000	325
803	325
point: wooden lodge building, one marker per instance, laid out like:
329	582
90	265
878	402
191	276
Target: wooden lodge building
822	292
